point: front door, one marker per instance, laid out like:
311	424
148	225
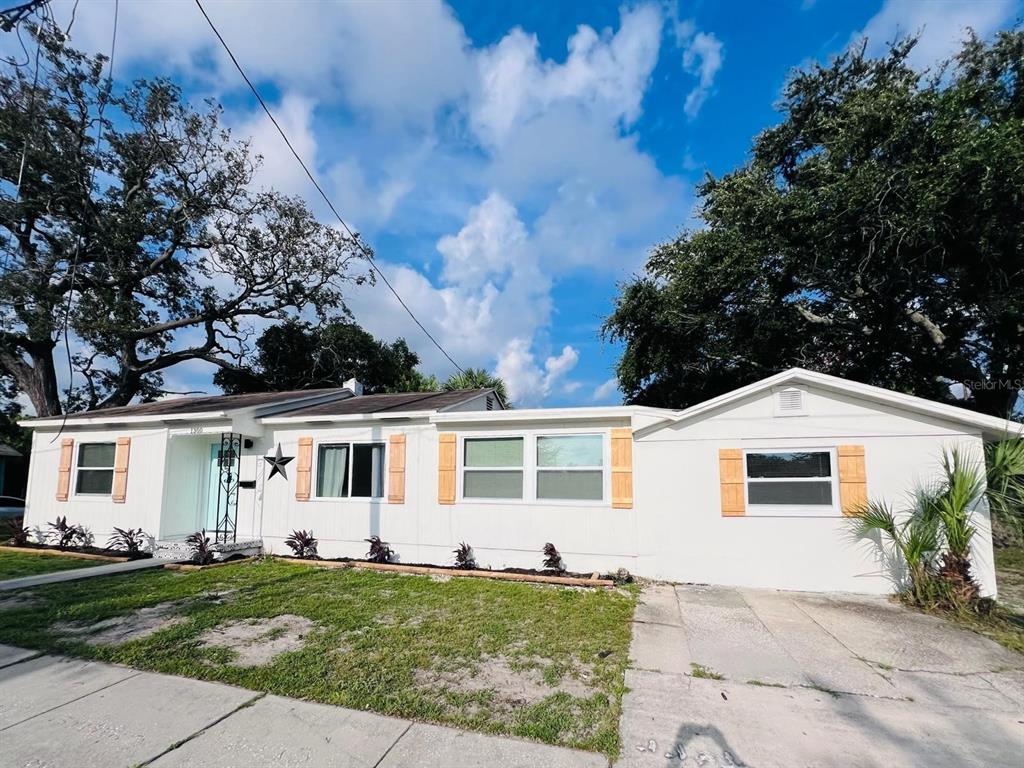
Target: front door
212	486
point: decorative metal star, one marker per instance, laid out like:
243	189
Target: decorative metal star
277	463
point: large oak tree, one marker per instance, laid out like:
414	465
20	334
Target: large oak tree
875	233
153	241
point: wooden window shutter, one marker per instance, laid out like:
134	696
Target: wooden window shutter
446	468
120	487
67	454
304	469
622	468
396	469
730	476
853	478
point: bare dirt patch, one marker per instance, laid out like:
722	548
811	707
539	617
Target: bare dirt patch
513	683
19	600
122	629
257	642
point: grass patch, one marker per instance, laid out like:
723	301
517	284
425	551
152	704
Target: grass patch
764	684
14	565
408	646
707	673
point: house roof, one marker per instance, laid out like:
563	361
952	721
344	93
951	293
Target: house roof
991	427
387	403
215	405
8	451
301	404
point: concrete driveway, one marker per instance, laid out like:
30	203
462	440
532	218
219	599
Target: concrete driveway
728	677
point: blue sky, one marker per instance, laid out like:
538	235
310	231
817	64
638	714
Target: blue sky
509	162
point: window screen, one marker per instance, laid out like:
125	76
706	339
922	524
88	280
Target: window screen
493	468
789	478
570	467
95	468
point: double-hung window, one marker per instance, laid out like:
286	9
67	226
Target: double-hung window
95	468
492	468
790	482
570	467
350	470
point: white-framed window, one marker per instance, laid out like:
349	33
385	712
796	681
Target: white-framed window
570	467
555	467
95	471
350	470
492	467
791	481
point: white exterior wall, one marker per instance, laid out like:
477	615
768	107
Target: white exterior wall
683	536
97	513
590	535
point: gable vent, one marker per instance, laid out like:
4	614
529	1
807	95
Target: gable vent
789	402
490	403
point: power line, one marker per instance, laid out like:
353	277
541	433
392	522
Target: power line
104	97
366	251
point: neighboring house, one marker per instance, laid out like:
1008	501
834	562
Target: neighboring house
749	488
11	471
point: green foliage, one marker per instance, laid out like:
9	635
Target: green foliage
17	533
477	378
874	234
385	643
705	673
158	232
931	538
297	355
1004	462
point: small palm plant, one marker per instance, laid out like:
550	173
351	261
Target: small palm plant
913	534
1004	462
464	557
202	550
932	537
964	490
380	551
130	540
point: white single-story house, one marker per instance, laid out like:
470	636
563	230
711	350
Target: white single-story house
751	488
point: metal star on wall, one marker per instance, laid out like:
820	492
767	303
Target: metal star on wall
277	463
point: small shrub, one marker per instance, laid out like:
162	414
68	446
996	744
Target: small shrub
17	532
66	535
553	559
130	541
303	545
464	557
380	551
199	543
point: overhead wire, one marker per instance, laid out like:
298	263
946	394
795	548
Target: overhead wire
366	251
104	97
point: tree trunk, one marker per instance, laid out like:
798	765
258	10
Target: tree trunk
36	379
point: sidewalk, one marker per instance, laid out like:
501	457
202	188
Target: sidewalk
58	712
107	569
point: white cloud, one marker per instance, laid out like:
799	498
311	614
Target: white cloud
702	57
528	383
399	60
484	175
943	26
606	390
605	74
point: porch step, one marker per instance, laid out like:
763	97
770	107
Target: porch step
176	550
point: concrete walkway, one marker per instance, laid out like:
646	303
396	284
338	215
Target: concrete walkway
727	677
57	712
107	569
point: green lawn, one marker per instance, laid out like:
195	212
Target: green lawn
14	565
541	662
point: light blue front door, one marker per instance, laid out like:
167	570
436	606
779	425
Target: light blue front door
212	486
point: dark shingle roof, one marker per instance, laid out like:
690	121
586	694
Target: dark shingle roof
203	404
403	401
